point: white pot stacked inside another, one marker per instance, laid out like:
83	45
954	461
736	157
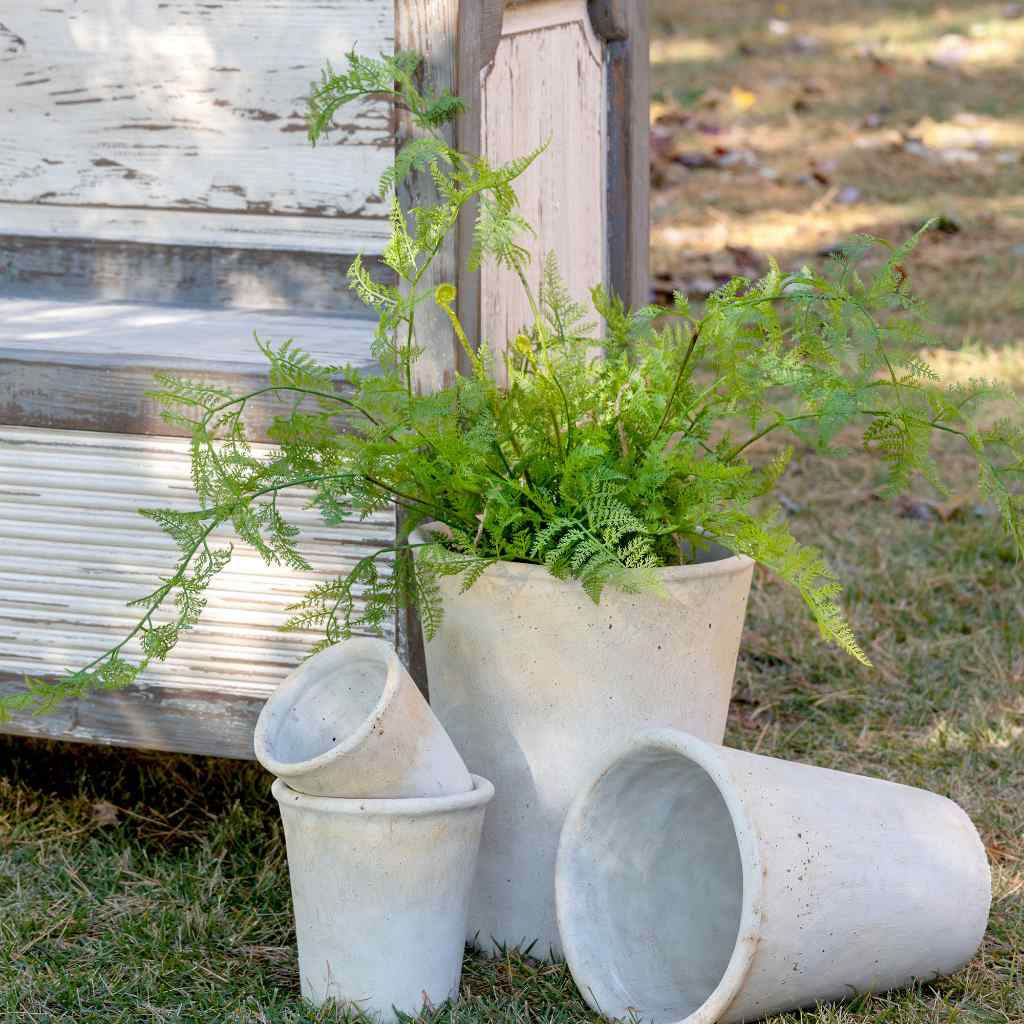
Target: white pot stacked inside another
382	823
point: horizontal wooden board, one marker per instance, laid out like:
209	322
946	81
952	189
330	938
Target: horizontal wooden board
73	551
197	227
88	366
90	270
156	335
178	105
190	721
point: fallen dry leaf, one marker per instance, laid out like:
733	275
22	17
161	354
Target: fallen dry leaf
742	99
104	813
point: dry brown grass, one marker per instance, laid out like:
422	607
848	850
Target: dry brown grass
918	107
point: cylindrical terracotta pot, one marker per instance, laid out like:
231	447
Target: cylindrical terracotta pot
699	884
380	890
350	722
537	685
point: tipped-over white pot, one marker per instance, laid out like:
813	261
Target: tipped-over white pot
537	686
380	890
697	884
350	722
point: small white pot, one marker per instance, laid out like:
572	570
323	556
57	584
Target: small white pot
537	685
350	722
380	890
697	884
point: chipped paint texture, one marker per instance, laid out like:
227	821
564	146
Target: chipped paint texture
183	106
73	550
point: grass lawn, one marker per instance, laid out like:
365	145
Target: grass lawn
139	887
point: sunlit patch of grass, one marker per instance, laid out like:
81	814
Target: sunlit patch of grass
983	41
871	122
683	49
782	231
1004	364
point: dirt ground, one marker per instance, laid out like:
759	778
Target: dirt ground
782	128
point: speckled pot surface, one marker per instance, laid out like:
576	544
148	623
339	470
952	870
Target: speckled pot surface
380	890
350	722
697	883
536	685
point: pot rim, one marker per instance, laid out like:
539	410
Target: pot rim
386	807
729	566
269	720
707	757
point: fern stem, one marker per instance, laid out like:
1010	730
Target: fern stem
313	393
677	384
784	422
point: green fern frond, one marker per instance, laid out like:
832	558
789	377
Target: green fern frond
416	155
495	235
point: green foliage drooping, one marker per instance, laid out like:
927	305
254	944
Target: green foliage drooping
600	452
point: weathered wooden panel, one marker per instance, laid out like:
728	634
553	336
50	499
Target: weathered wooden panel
547	82
479	36
274	232
88	366
91	270
190	721
430	27
73	551
186	106
186	337
625	26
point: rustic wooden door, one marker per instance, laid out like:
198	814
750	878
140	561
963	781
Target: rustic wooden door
158	204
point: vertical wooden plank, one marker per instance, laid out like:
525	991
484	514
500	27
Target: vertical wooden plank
624	27
451	36
547	84
430	28
479	34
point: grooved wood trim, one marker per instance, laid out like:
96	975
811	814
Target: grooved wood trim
73	550
430	28
547	84
171	105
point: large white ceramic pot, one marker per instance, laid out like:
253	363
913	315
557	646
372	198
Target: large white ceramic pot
380	890
537	685
698	883
350	722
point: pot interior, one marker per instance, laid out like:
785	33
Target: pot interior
331	701
657	865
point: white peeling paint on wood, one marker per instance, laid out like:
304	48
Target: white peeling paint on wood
73	551
136	334
175	227
547	83
188	106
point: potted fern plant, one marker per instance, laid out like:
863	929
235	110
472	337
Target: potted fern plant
579	530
